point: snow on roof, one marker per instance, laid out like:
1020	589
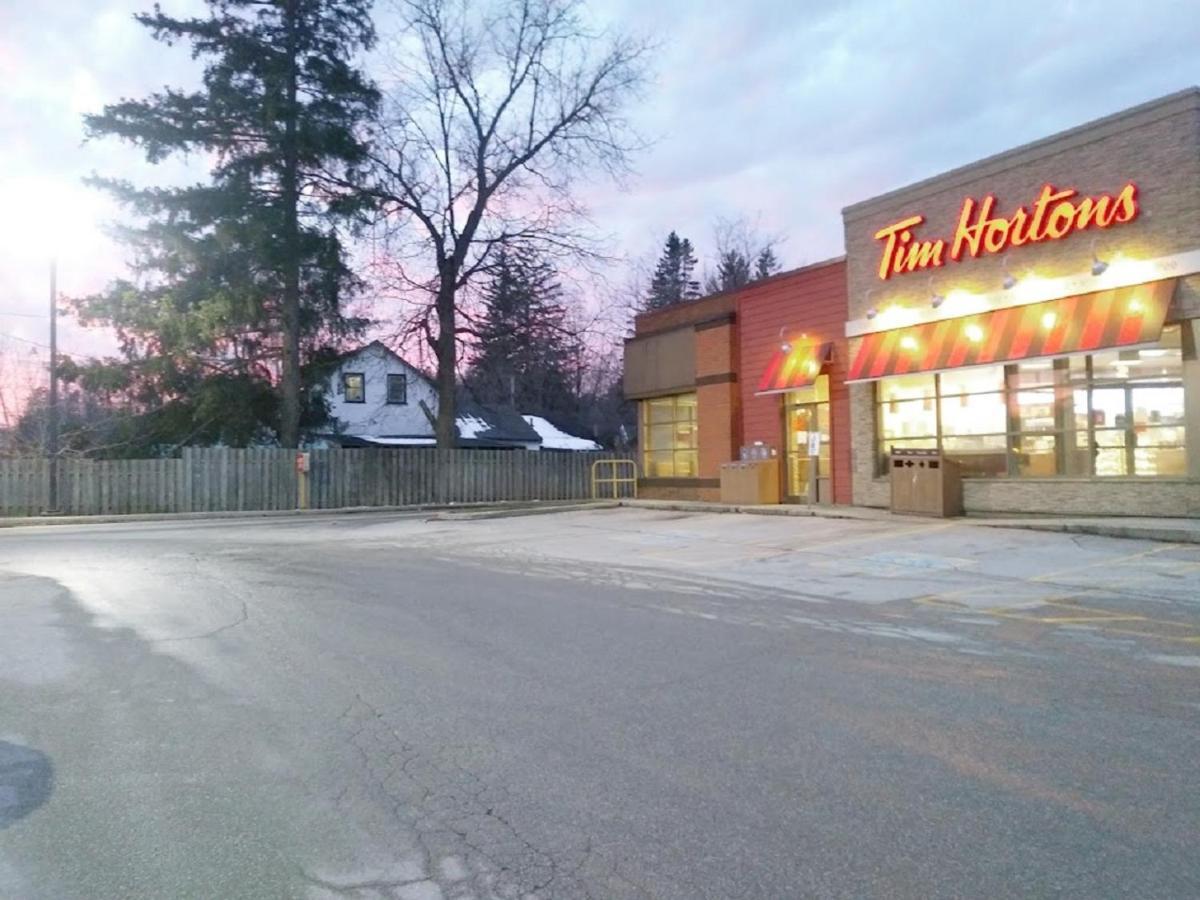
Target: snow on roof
471	426
398	441
554	439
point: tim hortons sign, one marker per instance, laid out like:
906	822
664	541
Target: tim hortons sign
1055	214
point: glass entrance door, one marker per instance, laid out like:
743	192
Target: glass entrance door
806	432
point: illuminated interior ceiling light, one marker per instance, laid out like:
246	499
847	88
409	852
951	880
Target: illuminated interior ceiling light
974	333
935	299
908	342
1099	266
1135	305
810	367
1049	320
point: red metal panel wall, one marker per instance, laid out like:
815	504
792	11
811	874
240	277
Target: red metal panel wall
811	300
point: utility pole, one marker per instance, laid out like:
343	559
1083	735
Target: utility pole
52	416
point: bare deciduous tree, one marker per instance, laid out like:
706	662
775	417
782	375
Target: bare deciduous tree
496	109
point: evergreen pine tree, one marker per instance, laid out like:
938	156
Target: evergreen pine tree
733	272
243	277
527	357
673	280
766	264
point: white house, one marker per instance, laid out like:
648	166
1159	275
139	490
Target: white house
375	393
377	399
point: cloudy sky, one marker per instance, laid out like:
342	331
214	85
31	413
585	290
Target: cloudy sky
783	111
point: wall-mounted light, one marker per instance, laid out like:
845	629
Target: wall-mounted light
784	344
935	299
872	312
1099	266
1009	281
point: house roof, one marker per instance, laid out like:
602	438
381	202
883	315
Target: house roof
554	438
348	354
491	426
479	427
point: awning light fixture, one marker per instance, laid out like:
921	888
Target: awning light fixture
935	299
1009	281
1099	266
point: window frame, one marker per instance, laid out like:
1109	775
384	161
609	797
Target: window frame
403	378
677	450
362	380
1065	382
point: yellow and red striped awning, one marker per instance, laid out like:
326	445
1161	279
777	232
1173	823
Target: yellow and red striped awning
1114	318
798	367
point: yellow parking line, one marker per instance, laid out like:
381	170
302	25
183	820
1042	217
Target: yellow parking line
877	536
1108	561
1061	620
1101	622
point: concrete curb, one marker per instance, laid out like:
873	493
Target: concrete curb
779	509
1115	528
1164	534
509	508
468	516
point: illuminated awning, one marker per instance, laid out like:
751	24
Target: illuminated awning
1114	318
790	370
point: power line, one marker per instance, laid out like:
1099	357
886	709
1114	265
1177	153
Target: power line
13	337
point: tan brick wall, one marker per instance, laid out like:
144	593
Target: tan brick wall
1065	496
1157	146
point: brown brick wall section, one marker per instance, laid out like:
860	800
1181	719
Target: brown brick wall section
708	495
808	301
716	350
717	414
1157	146
684	314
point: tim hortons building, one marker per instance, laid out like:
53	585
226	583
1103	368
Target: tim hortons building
1032	316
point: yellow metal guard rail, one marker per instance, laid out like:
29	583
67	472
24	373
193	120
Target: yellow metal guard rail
613	478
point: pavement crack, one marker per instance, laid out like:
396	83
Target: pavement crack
242	618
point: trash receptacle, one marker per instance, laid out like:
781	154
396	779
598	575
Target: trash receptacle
752	481
925	483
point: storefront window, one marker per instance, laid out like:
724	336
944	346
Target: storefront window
668	432
1115	413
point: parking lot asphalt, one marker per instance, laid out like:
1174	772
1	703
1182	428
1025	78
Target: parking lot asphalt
603	703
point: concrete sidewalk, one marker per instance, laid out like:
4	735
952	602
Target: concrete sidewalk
1181	531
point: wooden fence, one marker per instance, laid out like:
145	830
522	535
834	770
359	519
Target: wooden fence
208	480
